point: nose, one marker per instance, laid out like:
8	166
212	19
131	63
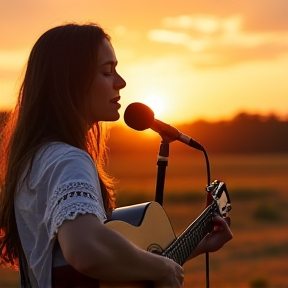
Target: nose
119	82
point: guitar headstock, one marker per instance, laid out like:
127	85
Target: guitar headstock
218	192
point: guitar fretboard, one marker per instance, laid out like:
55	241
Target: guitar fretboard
181	248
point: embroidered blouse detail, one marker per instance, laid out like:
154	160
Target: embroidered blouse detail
70	200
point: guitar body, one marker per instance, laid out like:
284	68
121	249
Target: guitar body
151	231
148	227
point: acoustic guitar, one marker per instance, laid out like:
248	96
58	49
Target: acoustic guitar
148	226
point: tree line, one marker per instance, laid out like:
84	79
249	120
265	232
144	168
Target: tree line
245	133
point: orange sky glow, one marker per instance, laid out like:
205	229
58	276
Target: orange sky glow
186	59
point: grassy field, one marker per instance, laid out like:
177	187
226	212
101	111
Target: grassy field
257	257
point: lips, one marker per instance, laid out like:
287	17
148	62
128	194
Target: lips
115	100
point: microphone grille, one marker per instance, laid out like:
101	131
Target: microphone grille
138	116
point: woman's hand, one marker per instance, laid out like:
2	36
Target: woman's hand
220	235
174	278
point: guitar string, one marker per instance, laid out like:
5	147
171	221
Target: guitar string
180	249
177	249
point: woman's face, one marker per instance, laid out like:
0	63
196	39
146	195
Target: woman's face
105	89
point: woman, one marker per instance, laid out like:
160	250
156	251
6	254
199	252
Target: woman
55	194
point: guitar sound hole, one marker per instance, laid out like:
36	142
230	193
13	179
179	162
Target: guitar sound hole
155	248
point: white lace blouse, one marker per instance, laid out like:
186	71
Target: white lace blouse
63	183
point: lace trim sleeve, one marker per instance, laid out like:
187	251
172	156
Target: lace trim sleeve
70	200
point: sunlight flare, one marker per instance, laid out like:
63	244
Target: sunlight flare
156	103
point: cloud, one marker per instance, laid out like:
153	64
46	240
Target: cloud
220	40
166	36
201	23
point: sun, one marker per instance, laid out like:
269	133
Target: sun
156	103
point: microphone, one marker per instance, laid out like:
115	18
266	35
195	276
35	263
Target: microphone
140	117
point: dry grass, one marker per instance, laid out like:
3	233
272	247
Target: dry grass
258	254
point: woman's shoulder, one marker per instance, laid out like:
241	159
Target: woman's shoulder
52	151
57	158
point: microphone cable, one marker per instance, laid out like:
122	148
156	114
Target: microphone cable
208	174
207	266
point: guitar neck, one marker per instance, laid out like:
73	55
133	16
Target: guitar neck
182	247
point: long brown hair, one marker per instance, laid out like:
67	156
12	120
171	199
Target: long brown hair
51	106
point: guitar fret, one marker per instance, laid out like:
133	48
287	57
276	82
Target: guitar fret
184	247
181	248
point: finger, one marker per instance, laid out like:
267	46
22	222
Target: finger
221	224
228	221
219	221
180	276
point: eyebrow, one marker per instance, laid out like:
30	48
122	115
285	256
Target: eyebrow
109	62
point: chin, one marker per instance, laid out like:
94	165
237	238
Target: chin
112	118
107	117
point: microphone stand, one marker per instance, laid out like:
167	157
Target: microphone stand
162	163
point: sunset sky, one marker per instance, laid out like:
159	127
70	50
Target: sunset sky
186	59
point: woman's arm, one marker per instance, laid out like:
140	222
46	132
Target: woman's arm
102	253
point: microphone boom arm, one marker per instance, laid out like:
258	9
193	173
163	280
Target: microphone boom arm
170	134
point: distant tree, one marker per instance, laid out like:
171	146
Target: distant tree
245	133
